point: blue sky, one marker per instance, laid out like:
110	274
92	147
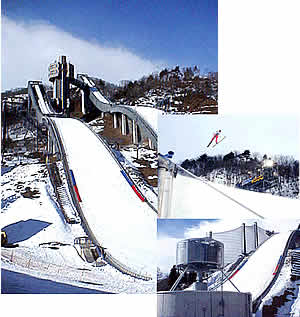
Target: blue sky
165	33
188	136
176	228
179	32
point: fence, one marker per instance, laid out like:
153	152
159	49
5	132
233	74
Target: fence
55	267
241	240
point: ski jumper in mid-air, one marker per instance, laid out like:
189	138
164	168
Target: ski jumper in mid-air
215	137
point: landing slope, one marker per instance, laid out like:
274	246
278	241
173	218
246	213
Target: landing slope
257	273
194	197
121	222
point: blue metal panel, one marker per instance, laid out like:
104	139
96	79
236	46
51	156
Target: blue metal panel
73	178
126	177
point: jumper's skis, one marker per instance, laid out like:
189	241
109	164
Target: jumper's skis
219	141
210	141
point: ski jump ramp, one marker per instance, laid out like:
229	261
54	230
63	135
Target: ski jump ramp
114	213
145	117
118	218
259	273
259	270
39	101
183	195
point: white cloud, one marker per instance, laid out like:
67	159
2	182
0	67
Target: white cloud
166	252
29	47
222	225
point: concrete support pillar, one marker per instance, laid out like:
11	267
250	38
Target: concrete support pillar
150	143
165	192
123	124
28	104
115	118
134	133
54	90
53	148
82	102
49	144
37	137
139	136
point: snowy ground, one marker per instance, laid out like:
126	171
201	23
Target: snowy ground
97	125
150	115
23	143
284	283
33	223
154	98
131	167
18	132
288	188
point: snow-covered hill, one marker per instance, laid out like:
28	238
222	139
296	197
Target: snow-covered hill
178	90
194	197
286	187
